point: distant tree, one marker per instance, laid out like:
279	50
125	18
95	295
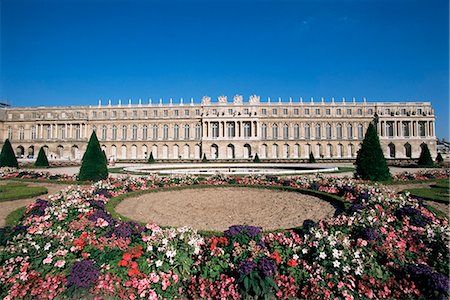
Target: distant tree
151	160
256	159
311	159
41	160
439	158
94	164
204	159
425	159
7	156
370	161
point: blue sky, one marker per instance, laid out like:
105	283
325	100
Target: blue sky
75	52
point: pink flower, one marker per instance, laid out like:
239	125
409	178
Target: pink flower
60	263
48	260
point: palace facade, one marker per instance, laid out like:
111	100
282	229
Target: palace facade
221	129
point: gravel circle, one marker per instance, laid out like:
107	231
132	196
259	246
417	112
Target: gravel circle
218	208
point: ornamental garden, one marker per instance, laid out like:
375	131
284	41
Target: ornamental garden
380	244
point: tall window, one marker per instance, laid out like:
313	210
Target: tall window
155	132
21	133
62	132
318	131
198	131
274	131
104	132
144	132
247	132
328	131
264	131
215	129
176	131
124	132
360	132
33	132
10	133
339	131
187	130
114	132
405	129
134	130
307	131
349	131
230	130
165	132
390	129
285	131
296	131
77	132
49	132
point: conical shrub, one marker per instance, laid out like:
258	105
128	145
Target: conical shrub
439	158
7	156
311	159
256	159
370	161
41	160
425	159
94	164
151	160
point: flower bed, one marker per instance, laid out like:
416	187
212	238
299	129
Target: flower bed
383	246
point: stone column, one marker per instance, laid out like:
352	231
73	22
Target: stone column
71	131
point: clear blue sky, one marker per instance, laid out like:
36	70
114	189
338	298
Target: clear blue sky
76	52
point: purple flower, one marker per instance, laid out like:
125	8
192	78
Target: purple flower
356	207
433	284
100	213
246	267
97	204
267	267
126	230
251	231
83	274
39	207
368	234
415	216
103	192
363	195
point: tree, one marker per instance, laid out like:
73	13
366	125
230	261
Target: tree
94	164
7	156
311	159
151	160
425	159
41	160
256	159
370	161
439	158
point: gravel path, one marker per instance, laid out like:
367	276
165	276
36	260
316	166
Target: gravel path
219	208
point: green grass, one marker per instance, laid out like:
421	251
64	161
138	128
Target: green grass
19	190
53	181
15	216
431	194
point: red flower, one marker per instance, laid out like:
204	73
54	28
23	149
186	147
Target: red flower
127	256
276	257
122	263
133	272
292	263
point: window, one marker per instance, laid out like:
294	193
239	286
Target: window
230	111
10	133
114	114
285	111
274	111
104	113
328	111
214	111
62	132
338	111
422	128
155	113
215	129
186	112
390	129
359	112
176	112
165	132
307	111
166	113
318	131
134	130
328	131
104	132
360	132
246	111
77	132
370	111
405	129
33	132
247	130
94	128
419	111
339	131
176	132
124	114
155	132
114	132
134	113
350	131
296	111
264	111
296	131
349	111
307	131
317	111
230	129
94	114
124	132
186	132
197	112
274	131
264	131
21	133
144	132
198	131
49	132
285	131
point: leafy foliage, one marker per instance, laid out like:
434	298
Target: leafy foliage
370	161
425	159
151	160
439	158
41	160
94	164
311	159
256	159
7	156
204	159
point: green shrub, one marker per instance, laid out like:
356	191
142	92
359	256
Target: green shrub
41	160
370	161
439	158
425	159
94	164
311	159
204	159
7	156
256	159
151	160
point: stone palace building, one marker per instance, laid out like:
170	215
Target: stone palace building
221	129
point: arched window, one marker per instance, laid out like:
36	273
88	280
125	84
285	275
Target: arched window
144	132
307	131
231	130
274	131
408	152
198	131
114	132
360	132
247	132
176	132
134	130
391	148
286	131
21	133
215	129
350	131
339	131
318	131
155	132
264	131
165	132
328	131
296	131
33	132
104	132
124	132
187	130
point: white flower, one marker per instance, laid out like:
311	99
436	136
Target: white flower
359	270
295	256
318	235
322	255
346	269
158	263
336	264
171	253
304	251
337	253
356	254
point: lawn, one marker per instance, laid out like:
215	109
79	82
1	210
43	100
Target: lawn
438	192
14	191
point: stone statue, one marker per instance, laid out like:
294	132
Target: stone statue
254	99
223	99
237	99
206	100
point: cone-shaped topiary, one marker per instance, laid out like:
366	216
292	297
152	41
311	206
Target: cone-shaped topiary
370	161
311	159
204	159
94	165
439	158
425	159
7	156
256	159
41	160
151	160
